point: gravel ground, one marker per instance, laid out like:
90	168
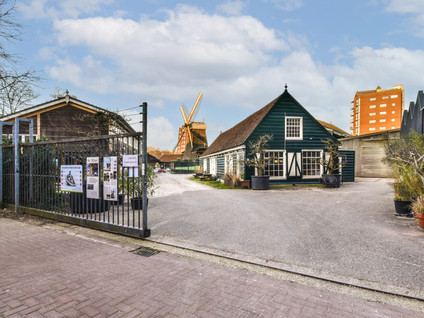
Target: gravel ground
350	234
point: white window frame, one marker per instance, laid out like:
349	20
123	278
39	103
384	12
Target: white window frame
213	166
321	169
284	176
300	137
205	165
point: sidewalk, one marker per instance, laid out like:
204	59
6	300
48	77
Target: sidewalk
48	273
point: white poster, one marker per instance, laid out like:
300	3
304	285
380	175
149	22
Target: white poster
130	161
93	177
71	178
110	178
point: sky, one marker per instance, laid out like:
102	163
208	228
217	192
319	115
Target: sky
117	54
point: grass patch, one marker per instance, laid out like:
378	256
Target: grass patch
213	184
296	186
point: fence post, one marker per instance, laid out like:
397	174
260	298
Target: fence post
2	123
145	162
16	143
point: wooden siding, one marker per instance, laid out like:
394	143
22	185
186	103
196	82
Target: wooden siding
65	122
369	151
314	134
348	170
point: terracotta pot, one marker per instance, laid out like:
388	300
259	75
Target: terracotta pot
420	217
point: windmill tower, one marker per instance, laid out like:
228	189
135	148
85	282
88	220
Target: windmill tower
191	135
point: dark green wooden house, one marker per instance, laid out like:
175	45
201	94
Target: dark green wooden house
295	148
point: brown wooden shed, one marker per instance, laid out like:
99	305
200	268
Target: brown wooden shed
68	117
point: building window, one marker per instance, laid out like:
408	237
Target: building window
393	96
372	98
372	106
311	166
385	97
372	114
294	128
393	127
382	120
393	119
372	129
372	121
382	113
393	104
383	105
275	168
393	112
382	128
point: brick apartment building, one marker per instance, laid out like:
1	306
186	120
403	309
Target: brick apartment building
377	110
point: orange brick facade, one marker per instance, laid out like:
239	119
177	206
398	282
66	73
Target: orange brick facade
377	110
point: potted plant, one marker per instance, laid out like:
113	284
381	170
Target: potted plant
406	157
257	159
331	163
136	188
418	208
406	186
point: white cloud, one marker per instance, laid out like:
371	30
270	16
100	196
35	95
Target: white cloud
236	61
286	5
189	50
232	7
161	133
41	9
405	6
414	10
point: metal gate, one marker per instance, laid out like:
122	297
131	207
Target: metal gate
41	174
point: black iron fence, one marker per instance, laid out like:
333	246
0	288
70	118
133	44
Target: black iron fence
88	181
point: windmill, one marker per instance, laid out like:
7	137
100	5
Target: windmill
191	135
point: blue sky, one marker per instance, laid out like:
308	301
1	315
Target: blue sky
118	54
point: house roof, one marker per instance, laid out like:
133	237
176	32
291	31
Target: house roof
63	101
334	128
169	157
237	135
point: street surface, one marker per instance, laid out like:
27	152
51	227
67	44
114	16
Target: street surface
349	234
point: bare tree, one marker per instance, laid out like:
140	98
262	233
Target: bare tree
16	88
16	94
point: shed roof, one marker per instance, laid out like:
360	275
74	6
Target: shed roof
169	157
63	101
334	128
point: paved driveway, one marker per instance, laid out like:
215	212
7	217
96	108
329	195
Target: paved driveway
349	233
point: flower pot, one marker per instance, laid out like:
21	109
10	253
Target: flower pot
331	180
80	204
137	203
420	217
120	200
231	183
260	182
403	207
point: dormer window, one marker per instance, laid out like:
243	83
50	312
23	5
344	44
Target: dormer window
294	128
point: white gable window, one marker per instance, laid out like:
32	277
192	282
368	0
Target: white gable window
294	128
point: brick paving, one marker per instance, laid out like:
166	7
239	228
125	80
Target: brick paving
46	273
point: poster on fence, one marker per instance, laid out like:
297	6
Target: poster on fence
93	177
110	178
71	178
131	161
